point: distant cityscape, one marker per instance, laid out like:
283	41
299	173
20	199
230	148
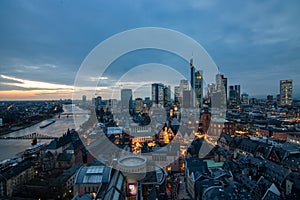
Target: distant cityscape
185	145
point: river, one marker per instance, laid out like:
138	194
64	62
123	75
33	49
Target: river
9	148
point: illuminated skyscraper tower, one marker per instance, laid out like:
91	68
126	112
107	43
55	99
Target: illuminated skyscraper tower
286	92
158	93
196	86
221	89
126	98
192	82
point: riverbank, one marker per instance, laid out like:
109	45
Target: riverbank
10	148
13	129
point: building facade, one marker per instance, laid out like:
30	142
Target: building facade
286	92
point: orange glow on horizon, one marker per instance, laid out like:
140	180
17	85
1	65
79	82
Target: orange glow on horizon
34	94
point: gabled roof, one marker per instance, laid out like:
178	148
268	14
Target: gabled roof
196	165
293	159
276	171
280	153
272	193
247	144
64	157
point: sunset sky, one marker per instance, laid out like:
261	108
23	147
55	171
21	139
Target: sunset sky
43	43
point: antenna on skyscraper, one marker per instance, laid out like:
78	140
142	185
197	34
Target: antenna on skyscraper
191	60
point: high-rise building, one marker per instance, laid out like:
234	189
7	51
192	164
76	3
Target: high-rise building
238	94
184	84
211	88
221	88
192	82
177	94
286	92
244	99
196	86
278	99
126	98
270	100
83	98
167	95
253	101
234	95
186	99
232	100
158	93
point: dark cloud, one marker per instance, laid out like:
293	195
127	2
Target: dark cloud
255	43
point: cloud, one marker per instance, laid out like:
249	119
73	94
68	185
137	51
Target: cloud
48	42
23	83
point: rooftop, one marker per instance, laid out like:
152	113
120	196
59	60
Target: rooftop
93	175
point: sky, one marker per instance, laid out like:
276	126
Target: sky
43	43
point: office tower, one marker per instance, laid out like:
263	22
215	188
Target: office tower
196	86
270	100
232	100
167	95
286	92
138	104
221	88
238	94
83	98
244	99
158	93
234	95
186	99
221	82
126	98
184	85
253	101
211	88
192	82
278	99
177	94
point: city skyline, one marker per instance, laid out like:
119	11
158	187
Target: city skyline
43	45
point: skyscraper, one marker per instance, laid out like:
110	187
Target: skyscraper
177	94
196	86
286	92
192	82
244	99
167	95
270	100
186	99
184	84
158	93
126	98
83	98
221	88
234	95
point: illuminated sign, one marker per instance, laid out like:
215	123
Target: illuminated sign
131	189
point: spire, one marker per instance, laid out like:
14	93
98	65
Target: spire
191	62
